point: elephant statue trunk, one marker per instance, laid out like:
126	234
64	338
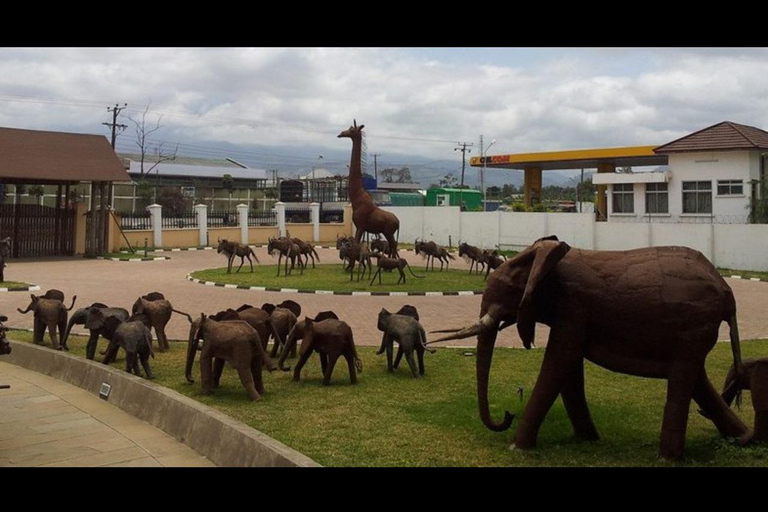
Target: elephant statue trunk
290	342
194	339
24	312
486	340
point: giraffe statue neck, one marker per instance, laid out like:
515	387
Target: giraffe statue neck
357	194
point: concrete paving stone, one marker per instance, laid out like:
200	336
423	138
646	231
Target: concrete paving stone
87	459
39	455
67	425
185	461
146	462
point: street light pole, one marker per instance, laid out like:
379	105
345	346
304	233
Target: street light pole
482	172
319	157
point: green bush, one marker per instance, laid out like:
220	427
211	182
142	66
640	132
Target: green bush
520	207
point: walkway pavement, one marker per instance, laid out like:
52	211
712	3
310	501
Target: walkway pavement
120	283
46	422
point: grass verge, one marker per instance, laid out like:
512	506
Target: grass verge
332	277
14	284
395	420
746	274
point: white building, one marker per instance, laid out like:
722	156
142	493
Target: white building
711	176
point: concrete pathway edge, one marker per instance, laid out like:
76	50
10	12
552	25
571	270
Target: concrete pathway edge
223	440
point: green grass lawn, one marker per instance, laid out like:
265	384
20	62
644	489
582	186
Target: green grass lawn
746	274
395	420
332	277
14	284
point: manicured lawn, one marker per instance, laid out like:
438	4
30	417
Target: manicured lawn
332	277
395	420
746	274
14	284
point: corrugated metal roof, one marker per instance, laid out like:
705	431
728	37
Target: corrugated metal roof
199	171
35	155
725	136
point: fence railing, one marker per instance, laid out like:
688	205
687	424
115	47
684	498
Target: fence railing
331	215
184	220
135	221
262	218
222	218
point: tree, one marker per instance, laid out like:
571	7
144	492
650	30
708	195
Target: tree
173	201
587	191
143	132
758	206
38	191
392	175
227	182
449	181
145	191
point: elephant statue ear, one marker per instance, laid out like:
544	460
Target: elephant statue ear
545	254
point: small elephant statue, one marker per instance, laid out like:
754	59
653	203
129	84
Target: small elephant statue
331	339
158	311
49	311
754	378
135	338
410	336
5	347
297	333
232	341
92	322
282	318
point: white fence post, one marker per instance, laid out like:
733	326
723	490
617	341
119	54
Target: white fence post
156	213
202	223
242	214
280	214
315	219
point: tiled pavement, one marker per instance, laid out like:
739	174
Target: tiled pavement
46	422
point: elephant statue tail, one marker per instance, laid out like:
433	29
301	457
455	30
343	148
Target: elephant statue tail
189	317
74	298
738	366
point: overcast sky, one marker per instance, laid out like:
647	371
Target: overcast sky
414	102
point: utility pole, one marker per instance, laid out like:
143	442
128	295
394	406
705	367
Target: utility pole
115	110
463	148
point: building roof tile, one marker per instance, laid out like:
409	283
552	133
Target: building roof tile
725	136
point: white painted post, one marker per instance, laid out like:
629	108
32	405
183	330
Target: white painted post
202	223
242	215
156	213
280	214
315	218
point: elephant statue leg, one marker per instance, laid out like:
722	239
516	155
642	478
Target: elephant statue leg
162	340
62	326
714	408
398	356
90	347
349	356
54	337
218	369
323	361
206	372
144	358
759	386
390	349
131	365
258	381
575	402
302	361
111	353
38	331
420	357
246	378
682	379
412	364
332	358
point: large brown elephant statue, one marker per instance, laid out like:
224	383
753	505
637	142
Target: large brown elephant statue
297	333
158	313
232	341
49	311
652	312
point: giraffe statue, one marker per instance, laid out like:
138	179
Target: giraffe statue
366	216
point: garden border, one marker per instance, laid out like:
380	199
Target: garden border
330	292
30	288
222	439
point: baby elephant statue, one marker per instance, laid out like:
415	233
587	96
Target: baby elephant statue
49	311
331	339
754	377
297	333
232	341
135	338
410	336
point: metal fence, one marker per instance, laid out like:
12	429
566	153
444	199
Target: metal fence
680	219
331	215
184	220
222	219
262	218
134	221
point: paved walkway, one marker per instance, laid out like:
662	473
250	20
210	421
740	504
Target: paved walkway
46	422
120	283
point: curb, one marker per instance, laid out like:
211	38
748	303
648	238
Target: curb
330	292
747	278
31	288
223	440
160	258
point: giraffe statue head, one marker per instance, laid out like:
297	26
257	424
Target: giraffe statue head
353	132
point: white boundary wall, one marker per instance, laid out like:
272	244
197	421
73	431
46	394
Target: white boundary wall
735	246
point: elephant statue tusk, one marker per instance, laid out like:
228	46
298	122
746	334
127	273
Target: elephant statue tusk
486	323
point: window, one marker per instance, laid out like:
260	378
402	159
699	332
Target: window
656	198
697	197
188	191
730	188
623	198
